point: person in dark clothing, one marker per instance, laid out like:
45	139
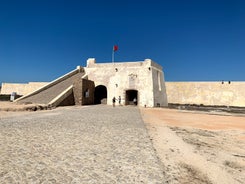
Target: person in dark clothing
113	101
119	100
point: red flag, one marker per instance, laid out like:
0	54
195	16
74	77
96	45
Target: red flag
115	48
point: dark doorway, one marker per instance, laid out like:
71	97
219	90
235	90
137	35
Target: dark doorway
100	95
131	96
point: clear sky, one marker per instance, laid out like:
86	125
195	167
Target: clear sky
194	40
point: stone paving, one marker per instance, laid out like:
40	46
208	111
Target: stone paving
94	144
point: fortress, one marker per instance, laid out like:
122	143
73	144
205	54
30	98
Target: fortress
99	83
143	80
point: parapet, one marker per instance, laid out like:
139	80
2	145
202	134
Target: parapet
152	63
91	62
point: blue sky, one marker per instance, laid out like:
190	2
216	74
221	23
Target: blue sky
194	40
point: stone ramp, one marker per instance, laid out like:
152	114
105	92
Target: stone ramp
51	93
93	144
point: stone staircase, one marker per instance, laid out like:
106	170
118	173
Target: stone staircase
53	90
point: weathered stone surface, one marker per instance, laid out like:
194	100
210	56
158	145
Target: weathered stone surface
55	88
83	90
21	89
206	93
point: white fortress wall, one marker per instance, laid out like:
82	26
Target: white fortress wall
207	93
159	88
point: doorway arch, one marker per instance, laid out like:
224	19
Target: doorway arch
130	96
100	95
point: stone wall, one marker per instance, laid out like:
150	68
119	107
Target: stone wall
21	89
206	93
83	90
69	100
159	87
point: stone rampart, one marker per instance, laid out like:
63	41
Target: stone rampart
206	93
55	89
21	89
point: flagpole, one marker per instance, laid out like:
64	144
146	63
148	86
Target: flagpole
113	54
114	49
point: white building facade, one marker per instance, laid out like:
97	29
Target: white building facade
143	81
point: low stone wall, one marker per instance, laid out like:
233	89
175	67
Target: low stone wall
206	93
21	89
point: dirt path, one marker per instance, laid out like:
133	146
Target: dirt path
197	147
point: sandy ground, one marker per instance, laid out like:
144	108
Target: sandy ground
8	109
197	147
14	106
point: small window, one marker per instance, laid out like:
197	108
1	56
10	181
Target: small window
159	81
86	93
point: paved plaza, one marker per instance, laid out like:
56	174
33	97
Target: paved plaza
93	144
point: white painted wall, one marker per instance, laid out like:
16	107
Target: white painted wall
119	77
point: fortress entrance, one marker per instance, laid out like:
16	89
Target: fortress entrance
130	96
100	95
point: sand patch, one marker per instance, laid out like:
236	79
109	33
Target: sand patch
197	147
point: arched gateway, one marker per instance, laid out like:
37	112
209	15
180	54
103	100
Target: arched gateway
131	96
100	95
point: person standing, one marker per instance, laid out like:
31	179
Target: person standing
119	100
135	101
113	101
